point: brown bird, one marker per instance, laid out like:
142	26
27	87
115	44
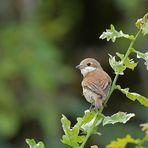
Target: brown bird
96	82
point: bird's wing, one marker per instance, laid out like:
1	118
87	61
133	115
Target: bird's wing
98	82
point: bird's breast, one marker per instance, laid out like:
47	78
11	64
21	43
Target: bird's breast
89	96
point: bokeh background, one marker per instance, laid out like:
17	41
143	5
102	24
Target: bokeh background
41	42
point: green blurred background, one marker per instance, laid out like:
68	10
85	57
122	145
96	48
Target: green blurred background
41	42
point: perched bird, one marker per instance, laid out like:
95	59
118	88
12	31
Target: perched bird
96	82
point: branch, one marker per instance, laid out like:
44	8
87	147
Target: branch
113	87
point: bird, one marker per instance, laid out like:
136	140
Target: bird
96	82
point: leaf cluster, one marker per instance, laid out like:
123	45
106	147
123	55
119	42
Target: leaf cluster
75	136
125	61
122	142
78	135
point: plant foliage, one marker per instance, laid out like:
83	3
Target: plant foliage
122	142
78	135
118	117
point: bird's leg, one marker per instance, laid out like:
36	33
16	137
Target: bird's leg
91	107
98	103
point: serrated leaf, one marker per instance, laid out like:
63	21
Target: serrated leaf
119	117
129	63
121	56
33	144
122	142
86	126
117	66
75	135
88	123
89	119
134	96
88	116
71	136
143	56
140	54
142	24
112	34
120	66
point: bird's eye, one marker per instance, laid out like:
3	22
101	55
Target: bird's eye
88	64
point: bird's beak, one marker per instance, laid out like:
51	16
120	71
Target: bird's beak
80	66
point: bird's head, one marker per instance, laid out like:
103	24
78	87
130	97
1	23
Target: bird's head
88	65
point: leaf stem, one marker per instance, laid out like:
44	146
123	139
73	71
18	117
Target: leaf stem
86	138
113	87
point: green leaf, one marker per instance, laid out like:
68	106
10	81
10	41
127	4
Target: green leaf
122	142
75	135
94	146
134	96
142	24
33	144
71	136
128	63
122	64
89	119
143	56
118	117
140	54
117	66
112	34
121	56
